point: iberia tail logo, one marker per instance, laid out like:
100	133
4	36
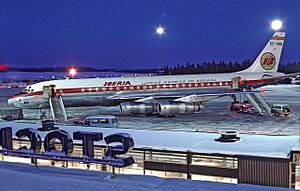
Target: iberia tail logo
268	61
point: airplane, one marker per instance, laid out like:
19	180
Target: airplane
164	95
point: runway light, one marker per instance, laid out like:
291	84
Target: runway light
72	71
160	31
3	67
276	24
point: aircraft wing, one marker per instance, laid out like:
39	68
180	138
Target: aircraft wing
210	96
200	97
292	75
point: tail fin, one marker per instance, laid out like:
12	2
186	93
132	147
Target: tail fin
268	59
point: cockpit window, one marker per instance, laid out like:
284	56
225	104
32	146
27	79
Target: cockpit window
27	90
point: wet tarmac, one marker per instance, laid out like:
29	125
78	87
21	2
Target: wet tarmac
215	117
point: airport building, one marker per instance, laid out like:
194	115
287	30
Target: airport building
251	159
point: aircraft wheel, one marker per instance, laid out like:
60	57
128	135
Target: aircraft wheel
42	117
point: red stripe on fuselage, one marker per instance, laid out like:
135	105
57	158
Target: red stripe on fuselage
260	81
28	94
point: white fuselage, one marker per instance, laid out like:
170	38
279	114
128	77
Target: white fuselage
113	91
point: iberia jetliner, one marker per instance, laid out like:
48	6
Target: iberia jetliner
165	95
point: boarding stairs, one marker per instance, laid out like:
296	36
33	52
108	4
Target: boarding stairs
259	103
57	108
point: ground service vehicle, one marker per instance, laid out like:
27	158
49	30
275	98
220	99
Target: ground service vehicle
281	109
11	114
107	121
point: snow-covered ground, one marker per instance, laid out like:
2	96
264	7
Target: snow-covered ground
24	177
174	134
214	118
250	145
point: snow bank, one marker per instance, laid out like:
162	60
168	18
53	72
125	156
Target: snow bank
24	177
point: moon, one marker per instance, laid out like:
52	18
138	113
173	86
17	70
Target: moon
160	30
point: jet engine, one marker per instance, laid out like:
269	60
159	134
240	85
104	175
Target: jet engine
131	108
171	108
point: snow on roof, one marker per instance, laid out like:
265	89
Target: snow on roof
250	145
25	177
296	147
101	116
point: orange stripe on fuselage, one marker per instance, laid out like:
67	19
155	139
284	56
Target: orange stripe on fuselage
277	38
260	81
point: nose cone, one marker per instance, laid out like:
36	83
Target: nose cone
12	100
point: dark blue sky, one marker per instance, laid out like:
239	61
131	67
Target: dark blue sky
121	34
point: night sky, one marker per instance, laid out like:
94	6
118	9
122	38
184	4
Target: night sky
121	34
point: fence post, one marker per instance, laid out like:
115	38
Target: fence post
188	163
144	158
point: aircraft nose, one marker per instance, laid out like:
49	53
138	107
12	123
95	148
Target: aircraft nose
12	100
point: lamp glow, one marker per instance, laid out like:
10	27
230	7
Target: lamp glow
276	24
72	71
160	30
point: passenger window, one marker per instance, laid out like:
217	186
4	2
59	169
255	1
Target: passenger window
104	121
95	120
25	90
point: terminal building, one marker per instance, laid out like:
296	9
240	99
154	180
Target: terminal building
251	159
